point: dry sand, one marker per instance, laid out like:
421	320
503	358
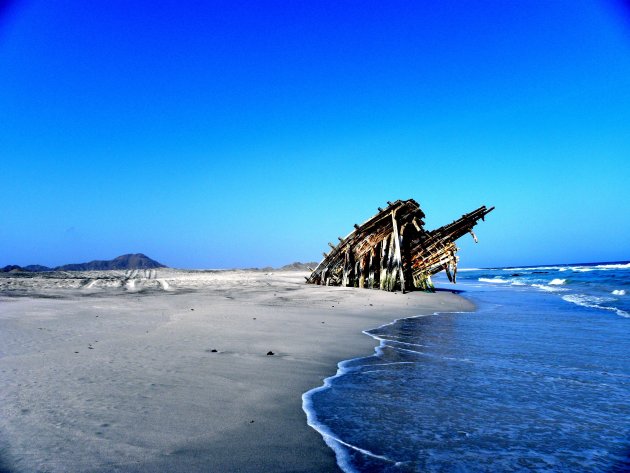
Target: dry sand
114	371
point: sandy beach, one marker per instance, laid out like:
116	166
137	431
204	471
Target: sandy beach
117	371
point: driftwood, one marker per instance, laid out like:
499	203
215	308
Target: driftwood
392	250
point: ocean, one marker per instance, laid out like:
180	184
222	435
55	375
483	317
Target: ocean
536	379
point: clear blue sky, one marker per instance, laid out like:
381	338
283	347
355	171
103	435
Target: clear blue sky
239	134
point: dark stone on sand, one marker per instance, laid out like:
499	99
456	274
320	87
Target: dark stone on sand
270	353
214	351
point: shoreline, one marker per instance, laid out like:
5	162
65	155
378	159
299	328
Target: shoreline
151	395
330	438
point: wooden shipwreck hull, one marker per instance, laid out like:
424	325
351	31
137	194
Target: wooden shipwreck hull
392	250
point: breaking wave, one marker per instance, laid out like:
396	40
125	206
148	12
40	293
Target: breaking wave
602	286
578	268
494	280
548	288
594	302
614	266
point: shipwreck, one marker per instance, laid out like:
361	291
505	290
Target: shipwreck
392	251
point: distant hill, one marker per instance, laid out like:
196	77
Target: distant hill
130	261
11	267
297	266
36	268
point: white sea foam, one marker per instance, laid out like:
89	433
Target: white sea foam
599	267
575	268
494	280
619	292
557	282
534	268
594	303
548	288
614	266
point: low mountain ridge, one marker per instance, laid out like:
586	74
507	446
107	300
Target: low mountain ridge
36	268
298	266
128	261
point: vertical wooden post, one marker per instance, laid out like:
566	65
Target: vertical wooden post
390	276
383	272
398	255
371	269
362	272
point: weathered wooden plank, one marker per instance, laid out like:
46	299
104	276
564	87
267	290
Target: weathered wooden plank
391	275
348	277
383	264
371	269
398	270
362	272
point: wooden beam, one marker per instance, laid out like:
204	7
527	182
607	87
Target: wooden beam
398	255
383	264
390	277
361	274
371	269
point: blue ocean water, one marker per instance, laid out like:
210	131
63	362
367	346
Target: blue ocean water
536	379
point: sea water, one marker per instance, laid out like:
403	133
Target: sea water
536	379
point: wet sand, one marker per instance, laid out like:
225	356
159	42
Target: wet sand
116	371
